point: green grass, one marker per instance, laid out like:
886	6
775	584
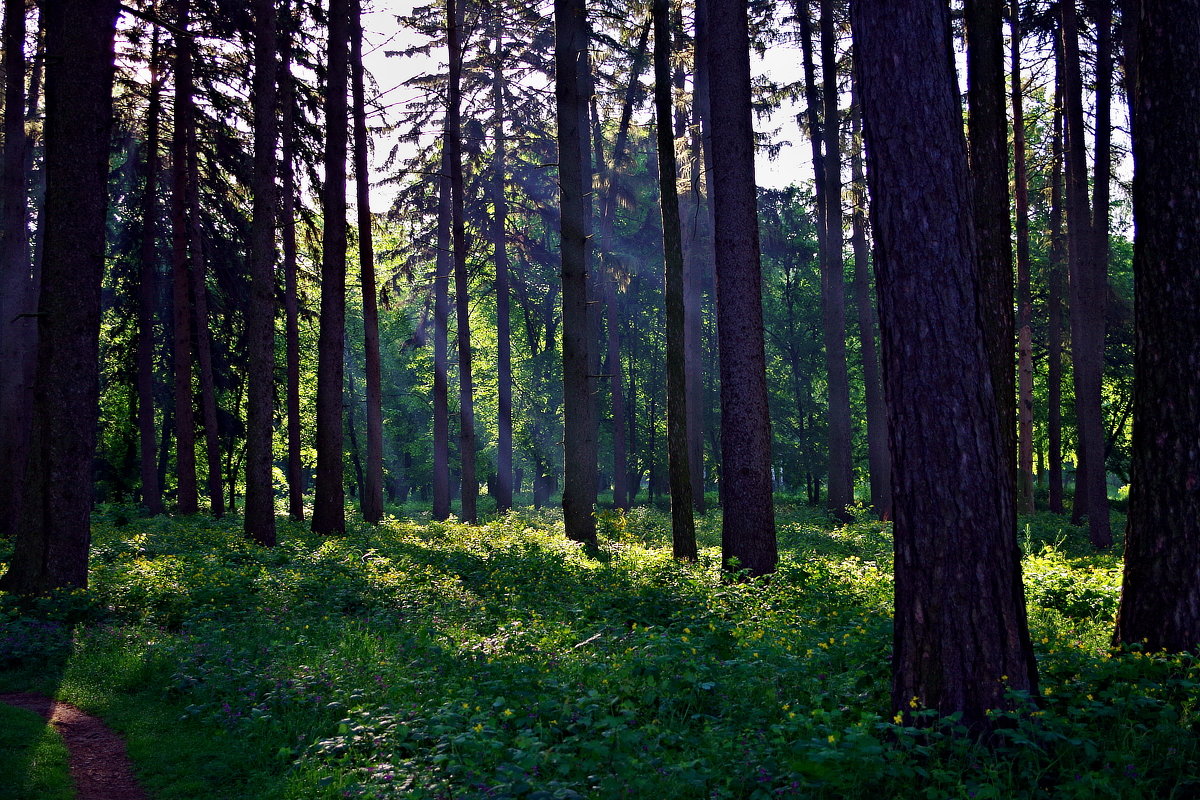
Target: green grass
429	660
33	759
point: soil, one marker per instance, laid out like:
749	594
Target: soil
99	766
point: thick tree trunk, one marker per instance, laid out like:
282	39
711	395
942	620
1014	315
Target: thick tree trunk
181	290
371	498
147	295
462	297
504	446
1054	377
51	548
441	320
1024	302
1160	597
579	485
291	301
960	621
1089	295
683	528
748	515
329	510
833	283
987	148
878	457
259	516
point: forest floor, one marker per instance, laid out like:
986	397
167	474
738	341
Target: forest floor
429	660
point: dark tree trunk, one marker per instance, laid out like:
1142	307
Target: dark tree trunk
259	516
833	287
878	456
441	319
1160	597
960	619
462	296
291	302
1054	311
987	148
683	528
698	405
748	514
371	498
1089	294
181	290
147	295
1024	302
18	290
51	548
329	510
579	485
504	446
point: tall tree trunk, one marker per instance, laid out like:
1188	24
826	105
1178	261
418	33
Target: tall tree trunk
579	484
878	456
683	528
1054	377
181	290
329	511
1160	597
1089	294
504	446
259	512
462	296
748	515
441	319
960	610
371	498
291	301
833	283
987	148
1024	302
52	539
147	295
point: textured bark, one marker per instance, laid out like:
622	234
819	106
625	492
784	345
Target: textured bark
1024	302
987	148
52	540
961	636
147	294
1054	321
371	498
441	318
259	511
329	510
1160	596
18	289
462	297
291	301
878	457
683	527
833	282
1089	295
579	484
504	446
181	290
748	513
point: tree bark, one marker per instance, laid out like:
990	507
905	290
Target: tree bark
51	548
1054	322
579	484
287	99
1024	302
748	514
371	499
1089	295
329	511
504	446
441	319
683	528
961	637
1160	597
259	511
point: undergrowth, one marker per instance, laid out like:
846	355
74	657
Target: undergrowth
428	660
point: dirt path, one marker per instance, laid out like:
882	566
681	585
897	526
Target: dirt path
99	766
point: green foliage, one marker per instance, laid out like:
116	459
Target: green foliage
33	759
429	660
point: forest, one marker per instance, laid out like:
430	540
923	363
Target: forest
612	399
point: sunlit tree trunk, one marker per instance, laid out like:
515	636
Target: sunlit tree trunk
1054	377
441	319
1024	302
504	446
